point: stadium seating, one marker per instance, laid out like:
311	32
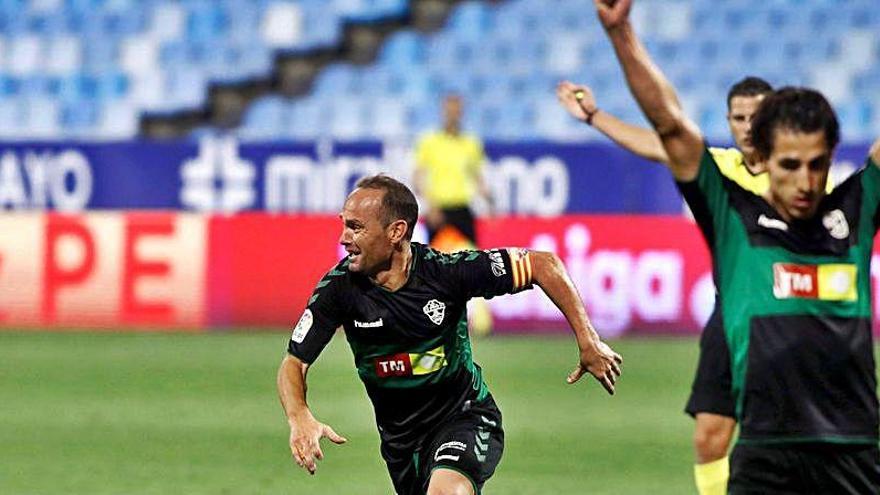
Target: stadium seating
90	68
506	57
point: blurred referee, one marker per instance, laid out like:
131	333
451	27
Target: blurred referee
449	173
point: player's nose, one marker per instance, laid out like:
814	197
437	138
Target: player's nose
345	237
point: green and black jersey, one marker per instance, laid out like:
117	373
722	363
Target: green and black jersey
796	307
411	346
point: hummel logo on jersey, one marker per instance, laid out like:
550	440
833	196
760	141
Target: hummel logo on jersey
835	222
497	263
772	223
435	311
368	324
439	454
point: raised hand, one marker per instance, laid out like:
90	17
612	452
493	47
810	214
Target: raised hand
577	100
613	13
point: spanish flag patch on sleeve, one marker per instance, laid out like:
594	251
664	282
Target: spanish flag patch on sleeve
521	267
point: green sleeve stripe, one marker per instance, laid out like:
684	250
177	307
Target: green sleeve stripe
711	182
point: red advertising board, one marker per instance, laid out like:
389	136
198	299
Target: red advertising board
646	274
102	270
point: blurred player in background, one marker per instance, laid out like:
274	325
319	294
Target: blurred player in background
711	402
402	306
793	273
448	175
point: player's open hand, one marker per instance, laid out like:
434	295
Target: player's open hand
576	99
613	13
600	361
305	437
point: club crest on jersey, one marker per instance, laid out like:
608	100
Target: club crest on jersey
835	222
832	282
435	310
302	327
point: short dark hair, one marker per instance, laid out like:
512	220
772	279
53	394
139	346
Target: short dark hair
398	203
749	86
796	109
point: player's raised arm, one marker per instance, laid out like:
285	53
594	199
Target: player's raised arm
596	357
656	97
305	431
579	101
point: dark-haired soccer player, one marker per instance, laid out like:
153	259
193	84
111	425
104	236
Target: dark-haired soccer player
711	402
402	305
792	269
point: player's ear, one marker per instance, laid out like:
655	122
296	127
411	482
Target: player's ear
397	230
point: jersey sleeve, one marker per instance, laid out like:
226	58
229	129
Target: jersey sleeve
479	157
870	179
320	319
490	273
708	198
423	149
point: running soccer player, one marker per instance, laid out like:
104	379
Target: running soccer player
710	403
402	306
792	269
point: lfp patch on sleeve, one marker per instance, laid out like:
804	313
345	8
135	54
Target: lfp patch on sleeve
302	327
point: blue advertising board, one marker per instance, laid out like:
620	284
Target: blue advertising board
222	175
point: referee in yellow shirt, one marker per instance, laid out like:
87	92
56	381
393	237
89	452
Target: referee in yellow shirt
449	173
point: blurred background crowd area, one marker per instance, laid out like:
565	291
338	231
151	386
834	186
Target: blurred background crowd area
373	69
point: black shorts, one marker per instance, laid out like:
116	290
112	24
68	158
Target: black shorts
711	391
462	218
804	469
470	443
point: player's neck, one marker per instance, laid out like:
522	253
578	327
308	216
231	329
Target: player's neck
397	273
752	164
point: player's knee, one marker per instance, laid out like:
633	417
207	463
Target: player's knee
449	482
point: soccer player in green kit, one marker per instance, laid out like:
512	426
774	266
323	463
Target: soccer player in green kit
402	305
792	269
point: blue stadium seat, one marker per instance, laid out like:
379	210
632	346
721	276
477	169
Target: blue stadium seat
403	49
469	20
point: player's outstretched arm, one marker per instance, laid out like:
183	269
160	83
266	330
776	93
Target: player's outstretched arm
579	101
305	431
596	357
681	138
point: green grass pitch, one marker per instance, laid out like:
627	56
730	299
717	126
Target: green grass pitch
87	413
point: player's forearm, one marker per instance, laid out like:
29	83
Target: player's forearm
292	388
643	142
550	275
648	85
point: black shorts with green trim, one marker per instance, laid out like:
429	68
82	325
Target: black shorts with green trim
470	443
711	390
801	469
